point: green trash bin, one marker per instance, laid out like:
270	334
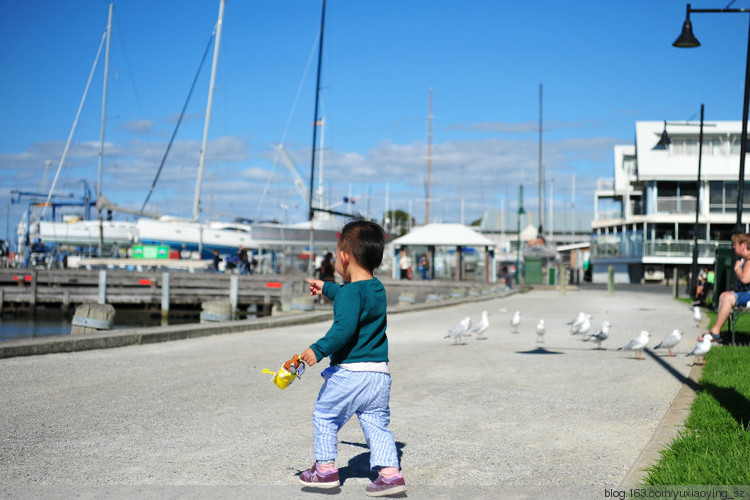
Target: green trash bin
532	270
552	275
724	273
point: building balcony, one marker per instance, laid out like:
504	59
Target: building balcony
615	247
675	205
605	184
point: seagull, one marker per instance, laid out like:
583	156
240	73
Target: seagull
575	323
700	349
541	329
481	327
460	330
583	327
670	341
697	316
515	321
601	335
637	344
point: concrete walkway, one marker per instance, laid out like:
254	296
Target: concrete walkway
504	416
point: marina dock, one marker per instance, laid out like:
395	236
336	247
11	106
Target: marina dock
25	290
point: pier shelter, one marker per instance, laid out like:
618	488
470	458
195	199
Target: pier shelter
448	247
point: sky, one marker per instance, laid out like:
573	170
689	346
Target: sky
601	66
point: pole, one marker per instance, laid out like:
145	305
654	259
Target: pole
199	175
743	141
694	267
518	234
311	213
541	169
429	160
315	118
101	133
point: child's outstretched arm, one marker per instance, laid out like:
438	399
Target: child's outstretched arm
316	286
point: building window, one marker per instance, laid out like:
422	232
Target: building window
723	197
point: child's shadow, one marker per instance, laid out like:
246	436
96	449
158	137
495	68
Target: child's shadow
359	465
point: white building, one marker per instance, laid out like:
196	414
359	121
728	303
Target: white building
644	217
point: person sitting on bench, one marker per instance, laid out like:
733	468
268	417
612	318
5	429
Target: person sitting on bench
741	294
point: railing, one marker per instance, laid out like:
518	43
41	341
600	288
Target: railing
605	184
608	215
675	204
614	247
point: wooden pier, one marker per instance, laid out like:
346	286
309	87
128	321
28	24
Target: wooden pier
26	290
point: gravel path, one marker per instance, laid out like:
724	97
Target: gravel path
196	418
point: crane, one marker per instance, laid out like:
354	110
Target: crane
298	182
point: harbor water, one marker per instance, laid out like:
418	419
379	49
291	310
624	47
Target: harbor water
46	323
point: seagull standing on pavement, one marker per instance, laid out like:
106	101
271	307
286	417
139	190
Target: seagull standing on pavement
601	335
460	331
670	341
481	327
701	348
697	316
541	329
583	327
575	323
515	321
637	344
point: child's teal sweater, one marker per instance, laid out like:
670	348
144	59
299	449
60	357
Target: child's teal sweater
359	322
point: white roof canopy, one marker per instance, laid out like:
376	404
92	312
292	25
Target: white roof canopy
444	235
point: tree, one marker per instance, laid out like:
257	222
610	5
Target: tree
398	221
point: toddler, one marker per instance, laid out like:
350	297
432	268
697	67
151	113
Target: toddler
358	380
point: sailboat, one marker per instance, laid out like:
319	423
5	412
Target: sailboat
190	236
228	236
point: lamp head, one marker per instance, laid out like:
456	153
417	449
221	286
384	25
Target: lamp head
664	141
686	40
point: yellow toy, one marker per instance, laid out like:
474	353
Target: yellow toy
290	370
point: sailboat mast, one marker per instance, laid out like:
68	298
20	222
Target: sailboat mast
104	107
101	133
199	175
541	169
429	160
316	119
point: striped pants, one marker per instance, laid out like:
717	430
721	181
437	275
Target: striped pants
344	394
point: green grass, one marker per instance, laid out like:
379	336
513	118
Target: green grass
714	446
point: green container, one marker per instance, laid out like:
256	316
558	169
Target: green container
532	270
552	275
724	273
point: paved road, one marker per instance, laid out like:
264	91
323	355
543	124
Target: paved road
196	418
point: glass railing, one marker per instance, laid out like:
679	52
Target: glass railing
675	204
612	247
605	184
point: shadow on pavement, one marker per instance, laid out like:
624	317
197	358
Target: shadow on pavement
679	376
539	350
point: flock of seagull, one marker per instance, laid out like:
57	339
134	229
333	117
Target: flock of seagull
581	326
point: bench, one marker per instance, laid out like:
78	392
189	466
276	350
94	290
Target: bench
734	315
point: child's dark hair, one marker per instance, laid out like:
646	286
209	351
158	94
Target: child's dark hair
364	240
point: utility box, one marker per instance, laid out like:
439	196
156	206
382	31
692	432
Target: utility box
532	270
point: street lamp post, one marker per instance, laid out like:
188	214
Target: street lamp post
521	211
665	141
694	268
688	40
